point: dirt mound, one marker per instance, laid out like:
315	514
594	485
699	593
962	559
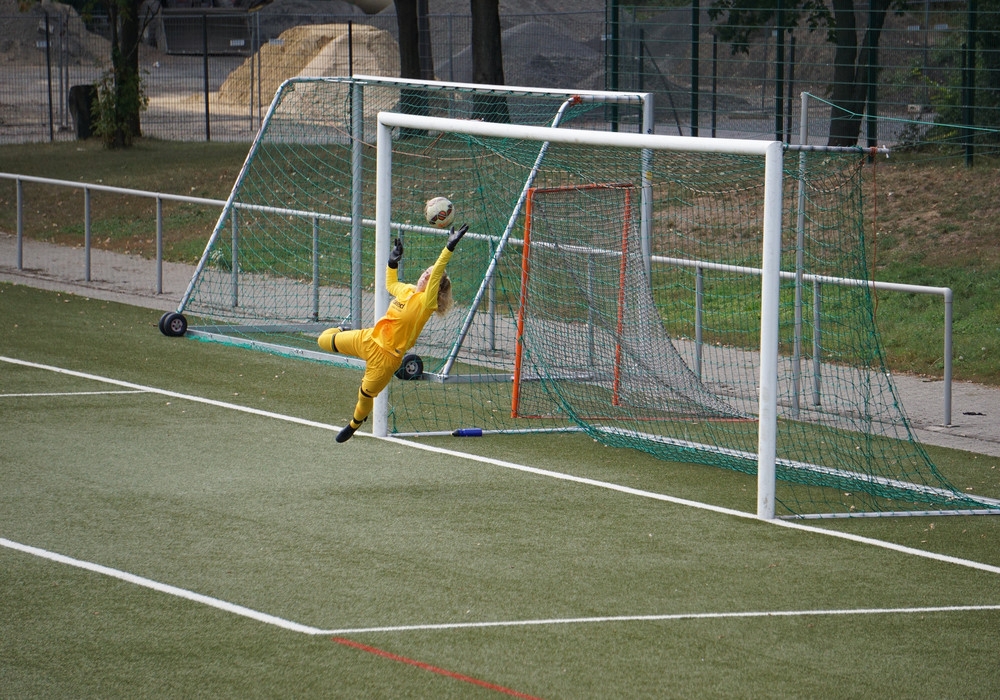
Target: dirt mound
23	37
312	51
375	52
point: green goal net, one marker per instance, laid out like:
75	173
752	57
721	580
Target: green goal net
607	288
292	251
629	299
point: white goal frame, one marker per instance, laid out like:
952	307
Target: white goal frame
772	152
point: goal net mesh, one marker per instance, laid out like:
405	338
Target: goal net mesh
588	328
633	313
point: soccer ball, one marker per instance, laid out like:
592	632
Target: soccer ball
439	211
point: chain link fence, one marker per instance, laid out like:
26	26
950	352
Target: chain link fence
210	74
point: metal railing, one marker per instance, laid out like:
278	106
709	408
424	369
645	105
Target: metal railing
817	282
699	265
88	188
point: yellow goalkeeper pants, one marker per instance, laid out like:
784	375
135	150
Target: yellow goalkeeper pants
380	364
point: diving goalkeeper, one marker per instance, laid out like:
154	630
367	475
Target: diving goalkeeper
383	346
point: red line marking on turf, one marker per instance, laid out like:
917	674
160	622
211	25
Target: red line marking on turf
433	669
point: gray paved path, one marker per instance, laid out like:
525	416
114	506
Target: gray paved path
975	414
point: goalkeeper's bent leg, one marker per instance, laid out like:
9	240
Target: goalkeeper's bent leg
379	369
361	411
364	405
326	339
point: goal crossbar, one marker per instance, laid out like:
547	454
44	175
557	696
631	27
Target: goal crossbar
616	97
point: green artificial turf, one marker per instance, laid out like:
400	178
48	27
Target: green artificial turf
273	515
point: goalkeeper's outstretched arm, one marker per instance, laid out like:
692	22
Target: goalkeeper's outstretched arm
382	346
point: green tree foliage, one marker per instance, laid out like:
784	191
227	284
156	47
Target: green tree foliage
741	22
986	62
962	79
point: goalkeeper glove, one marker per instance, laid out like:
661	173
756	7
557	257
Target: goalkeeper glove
456	236
396	254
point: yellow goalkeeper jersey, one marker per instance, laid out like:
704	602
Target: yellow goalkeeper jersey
398	330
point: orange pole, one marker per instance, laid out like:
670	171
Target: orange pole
515	395
621	299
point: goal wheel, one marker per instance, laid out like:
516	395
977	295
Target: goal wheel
412	367
173	324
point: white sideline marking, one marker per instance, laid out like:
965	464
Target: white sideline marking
668	618
533	470
172	394
162	588
68	393
308	629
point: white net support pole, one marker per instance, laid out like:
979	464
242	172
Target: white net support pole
770	281
357	206
647	128
646	197
800	226
383	234
487	280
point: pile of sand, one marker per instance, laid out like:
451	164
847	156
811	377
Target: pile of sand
312	51
23	35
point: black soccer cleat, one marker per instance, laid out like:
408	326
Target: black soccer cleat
345	434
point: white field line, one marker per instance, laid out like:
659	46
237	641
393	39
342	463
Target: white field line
252	614
68	393
287	624
670	617
524	468
162	588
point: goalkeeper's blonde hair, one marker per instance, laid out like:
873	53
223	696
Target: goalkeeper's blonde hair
445	298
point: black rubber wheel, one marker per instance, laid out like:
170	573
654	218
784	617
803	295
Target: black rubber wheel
412	367
173	324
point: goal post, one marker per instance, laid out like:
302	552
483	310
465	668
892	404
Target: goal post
648	328
770	151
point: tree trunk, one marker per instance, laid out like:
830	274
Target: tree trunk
130	69
411	100
118	119
847	95
868	65
409	41
424	48
487	60
851	79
